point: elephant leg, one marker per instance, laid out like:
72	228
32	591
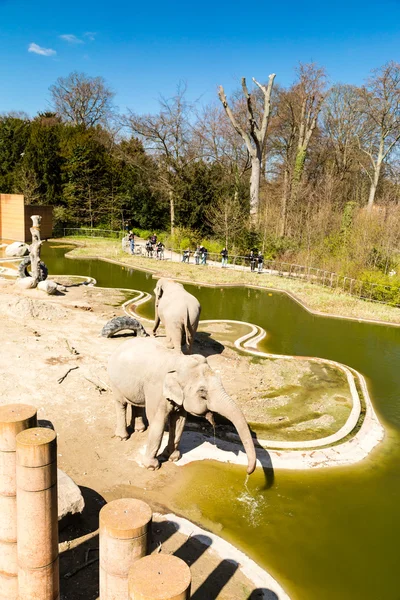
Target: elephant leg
176	338
169	341
155	434
177	422
137	419
120	409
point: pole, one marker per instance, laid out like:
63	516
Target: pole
159	577
14	418
124	537
37	515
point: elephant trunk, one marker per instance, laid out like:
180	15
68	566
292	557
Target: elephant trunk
225	406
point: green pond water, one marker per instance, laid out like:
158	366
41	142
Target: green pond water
326	534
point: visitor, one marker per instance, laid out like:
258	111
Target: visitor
131	239
204	253
153	239
253	260
160	251
149	249
224	254
260	260
185	255
197	254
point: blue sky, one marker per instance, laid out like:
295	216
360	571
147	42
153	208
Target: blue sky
143	49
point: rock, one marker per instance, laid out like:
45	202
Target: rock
48	286
70	499
18	249
25	283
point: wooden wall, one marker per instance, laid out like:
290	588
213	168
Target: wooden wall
46	224
12	220
15	221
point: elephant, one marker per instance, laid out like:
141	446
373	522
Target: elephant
169	385
178	311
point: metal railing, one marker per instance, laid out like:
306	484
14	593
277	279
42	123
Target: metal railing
365	290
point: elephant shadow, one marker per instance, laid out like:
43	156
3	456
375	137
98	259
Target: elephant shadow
205	345
200	432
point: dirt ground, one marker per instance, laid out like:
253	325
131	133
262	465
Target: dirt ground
52	356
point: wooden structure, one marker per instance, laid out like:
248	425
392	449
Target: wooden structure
15	218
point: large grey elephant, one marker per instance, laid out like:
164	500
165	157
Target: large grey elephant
169	385
178	311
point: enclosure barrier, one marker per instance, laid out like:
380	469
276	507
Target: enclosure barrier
159	577
14	418
125	527
37	515
365	290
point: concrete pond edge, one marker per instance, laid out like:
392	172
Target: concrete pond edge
267	587
288	455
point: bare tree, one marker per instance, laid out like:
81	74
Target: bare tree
82	100
227	218
254	136
168	137
380	107
295	123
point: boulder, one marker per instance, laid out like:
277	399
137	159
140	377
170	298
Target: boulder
25	283
48	286
70	499
17	249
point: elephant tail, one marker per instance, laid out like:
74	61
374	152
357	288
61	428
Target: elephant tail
189	331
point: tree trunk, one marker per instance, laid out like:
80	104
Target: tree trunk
374	183
172	210
255	188
285	196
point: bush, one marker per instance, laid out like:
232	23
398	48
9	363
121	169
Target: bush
380	287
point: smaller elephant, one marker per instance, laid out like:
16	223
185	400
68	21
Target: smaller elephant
144	374
178	311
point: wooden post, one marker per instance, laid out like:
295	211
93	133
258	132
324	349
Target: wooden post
124	537
159	577
37	515
14	418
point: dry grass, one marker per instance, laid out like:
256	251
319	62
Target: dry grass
314	296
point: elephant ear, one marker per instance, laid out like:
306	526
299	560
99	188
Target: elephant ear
172	388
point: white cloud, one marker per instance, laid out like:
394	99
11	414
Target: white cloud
39	50
90	35
71	38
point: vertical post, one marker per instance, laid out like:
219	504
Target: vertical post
159	577
37	515
124	537
14	418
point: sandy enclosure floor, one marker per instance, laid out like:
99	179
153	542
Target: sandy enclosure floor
42	338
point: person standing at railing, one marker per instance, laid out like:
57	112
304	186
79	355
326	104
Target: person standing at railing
253	260
197	255
260	261
131	239
224	254
185	255
204	253
160	250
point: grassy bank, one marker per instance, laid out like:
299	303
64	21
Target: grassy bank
316	297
